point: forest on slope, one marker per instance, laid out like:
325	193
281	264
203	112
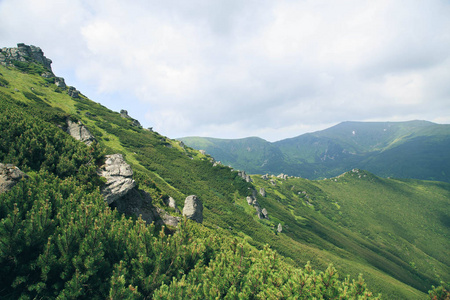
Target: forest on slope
60	239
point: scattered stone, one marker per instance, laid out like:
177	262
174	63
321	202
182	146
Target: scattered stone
202	152
170	202
283	176
10	175
262	192
265	213
273	182
279	228
80	132
193	209
118	176
167	219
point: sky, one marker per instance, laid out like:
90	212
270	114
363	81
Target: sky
235	68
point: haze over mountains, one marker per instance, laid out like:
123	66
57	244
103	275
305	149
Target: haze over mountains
414	149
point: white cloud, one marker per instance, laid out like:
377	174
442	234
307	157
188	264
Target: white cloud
235	68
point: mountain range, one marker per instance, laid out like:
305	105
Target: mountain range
414	149
94	206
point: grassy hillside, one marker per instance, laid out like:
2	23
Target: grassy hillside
415	149
323	225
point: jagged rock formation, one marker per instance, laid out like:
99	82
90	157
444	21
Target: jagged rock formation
193	208
118	176
25	53
262	192
59	82
10	175
79	132
73	92
265	177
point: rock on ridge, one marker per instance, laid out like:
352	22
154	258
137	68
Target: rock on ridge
10	175
118	176
193	208
25	53
79	132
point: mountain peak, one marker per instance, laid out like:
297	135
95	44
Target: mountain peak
25	53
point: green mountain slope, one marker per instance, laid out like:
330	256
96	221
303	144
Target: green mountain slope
415	149
49	224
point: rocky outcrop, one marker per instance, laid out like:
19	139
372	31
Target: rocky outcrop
118	176
59	82
73	92
79	132
10	175
265	177
193	208
25	53
273	182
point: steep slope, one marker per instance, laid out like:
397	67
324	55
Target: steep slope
414	149
312	229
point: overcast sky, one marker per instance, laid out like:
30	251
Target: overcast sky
235	68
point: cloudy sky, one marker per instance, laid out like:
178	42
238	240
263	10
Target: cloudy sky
235	68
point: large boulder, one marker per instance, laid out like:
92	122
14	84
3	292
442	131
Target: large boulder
193	208
10	175
118	176
79	132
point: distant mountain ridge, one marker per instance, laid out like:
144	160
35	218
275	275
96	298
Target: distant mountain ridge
412	149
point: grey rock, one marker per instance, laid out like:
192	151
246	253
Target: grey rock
59	82
10	175
245	176
265	213
273	182
259	212
279	228
193	208
167	219
265	177
202	152
170	202
118	176
262	192
249	200
25	53
79	132
124	114
73	92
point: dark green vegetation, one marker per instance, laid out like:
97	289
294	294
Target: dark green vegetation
59	238
415	149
